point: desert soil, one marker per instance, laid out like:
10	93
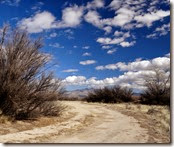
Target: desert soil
91	123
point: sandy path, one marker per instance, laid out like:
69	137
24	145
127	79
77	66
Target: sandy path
107	126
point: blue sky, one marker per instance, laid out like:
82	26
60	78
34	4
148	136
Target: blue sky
97	43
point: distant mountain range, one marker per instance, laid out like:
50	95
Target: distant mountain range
82	93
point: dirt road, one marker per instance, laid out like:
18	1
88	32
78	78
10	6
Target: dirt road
92	123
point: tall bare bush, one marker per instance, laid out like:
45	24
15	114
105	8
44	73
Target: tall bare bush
158	88
25	86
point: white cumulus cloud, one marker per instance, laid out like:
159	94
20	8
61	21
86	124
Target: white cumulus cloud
38	23
95	4
148	18
71	17
87	62
133	77
127	44
111	51
138	64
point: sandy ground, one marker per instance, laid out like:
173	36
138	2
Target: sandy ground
92	123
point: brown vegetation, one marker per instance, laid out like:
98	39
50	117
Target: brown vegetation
110	95
158	89
27	90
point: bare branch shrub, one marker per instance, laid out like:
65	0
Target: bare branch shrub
158	88
110	95
51	109
25	86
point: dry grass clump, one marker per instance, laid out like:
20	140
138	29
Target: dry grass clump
162	115
8	125
4	119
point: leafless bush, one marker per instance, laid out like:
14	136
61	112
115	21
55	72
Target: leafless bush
25	85
158	88
51	109
110	95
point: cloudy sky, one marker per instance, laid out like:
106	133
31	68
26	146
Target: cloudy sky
97	42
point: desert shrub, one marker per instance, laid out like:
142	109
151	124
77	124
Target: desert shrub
157	89
25	84
51	109
110	95
123	94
